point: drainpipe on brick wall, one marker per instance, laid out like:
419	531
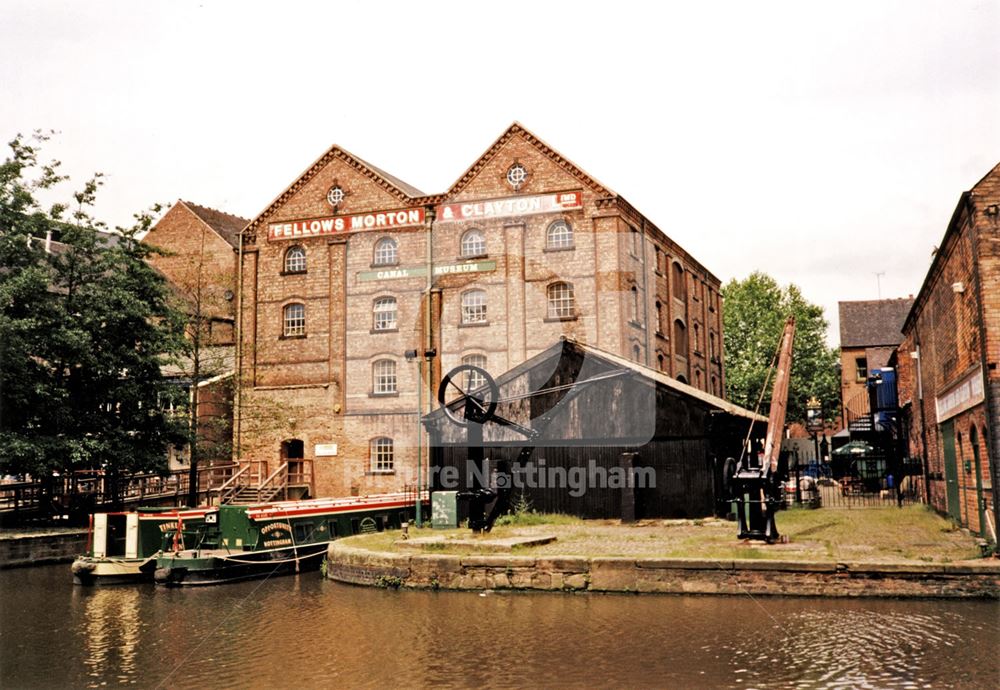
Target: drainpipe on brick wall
992	404
238	450
923	417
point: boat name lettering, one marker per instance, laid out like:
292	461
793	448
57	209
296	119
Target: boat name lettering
168	527
267	529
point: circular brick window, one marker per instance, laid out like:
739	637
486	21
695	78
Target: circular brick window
516	175
335	195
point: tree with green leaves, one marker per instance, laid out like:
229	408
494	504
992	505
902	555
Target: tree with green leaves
85	327
754	313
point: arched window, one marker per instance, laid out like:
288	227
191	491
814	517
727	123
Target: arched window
659	318
384	377
295	260
385	314
659	363
386	252
636	352
294	319
635	304
711	346
473	244
697	338
474	306
381	456
562	304
559	235
680	339
715	386
680	284
473	379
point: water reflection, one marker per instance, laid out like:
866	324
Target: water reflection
304	632
111	633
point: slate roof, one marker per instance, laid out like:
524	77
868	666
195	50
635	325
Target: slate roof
873	322
226	224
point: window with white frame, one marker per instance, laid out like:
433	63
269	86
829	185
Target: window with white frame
473	243
474	306
294	319
385	314
295	260
562	304
381	455
559	235
386	252
384	377
474	379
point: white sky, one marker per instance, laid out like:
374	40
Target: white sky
819	142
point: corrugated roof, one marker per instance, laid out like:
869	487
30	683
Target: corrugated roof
227	225
871	323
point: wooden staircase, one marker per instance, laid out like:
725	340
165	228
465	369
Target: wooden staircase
249	485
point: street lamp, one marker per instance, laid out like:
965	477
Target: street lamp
412	355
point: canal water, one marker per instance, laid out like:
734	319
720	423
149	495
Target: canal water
302	631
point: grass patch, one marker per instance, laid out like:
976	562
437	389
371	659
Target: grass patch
913	534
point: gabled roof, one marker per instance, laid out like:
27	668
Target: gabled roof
226	225
518	129
403	191
985	191
871	323
620	363
662	378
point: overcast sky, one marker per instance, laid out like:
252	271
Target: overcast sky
820	142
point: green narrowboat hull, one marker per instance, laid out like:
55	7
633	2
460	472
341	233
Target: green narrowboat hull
270	539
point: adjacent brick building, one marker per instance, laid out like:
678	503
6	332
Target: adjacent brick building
198	256
349	268
870	331
949	381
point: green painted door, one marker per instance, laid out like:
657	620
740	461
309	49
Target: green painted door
951	470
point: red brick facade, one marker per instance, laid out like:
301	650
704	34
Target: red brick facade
948	363
594	269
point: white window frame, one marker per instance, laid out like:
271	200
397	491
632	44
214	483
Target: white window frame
384	381
559	235
386	252
472	244
293	324
295	259
474	306
385	314
561	300
474	380
381	451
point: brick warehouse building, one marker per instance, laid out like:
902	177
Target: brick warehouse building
949	381
349	268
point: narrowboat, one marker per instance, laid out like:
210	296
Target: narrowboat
118	544
253	541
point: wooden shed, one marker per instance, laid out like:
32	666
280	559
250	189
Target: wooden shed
598	416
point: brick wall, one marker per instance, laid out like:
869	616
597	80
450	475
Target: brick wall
958	304
323	380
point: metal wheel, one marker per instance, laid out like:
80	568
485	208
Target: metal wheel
455	399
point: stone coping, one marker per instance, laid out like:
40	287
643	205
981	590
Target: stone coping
970	579
7	533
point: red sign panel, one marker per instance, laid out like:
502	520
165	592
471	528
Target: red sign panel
338	224
510	206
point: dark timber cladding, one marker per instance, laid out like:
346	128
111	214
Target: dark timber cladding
599	410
